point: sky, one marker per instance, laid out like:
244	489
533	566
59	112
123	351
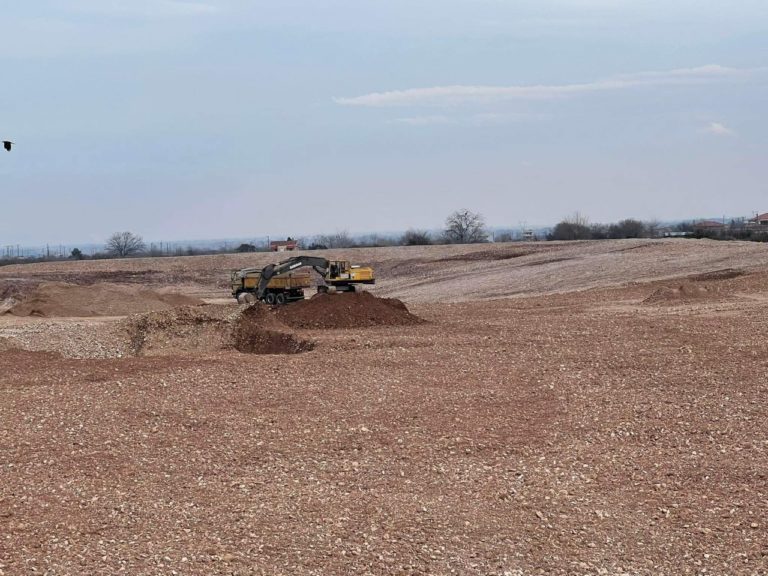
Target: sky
235	118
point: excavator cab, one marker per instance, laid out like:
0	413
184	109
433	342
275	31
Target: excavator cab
337	269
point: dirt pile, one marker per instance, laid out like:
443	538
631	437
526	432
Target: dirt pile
59	299
257	332
209	329
682	293
354	310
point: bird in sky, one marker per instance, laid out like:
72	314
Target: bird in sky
7	145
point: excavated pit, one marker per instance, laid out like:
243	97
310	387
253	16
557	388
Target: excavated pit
346	310
211	328
256	331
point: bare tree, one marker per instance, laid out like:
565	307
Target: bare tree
376	240
341	239
574	227
416	238
652	228
122	244
465	227
628	228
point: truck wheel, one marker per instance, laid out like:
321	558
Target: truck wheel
280	299
269	298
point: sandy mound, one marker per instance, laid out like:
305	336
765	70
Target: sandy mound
58	299
682	293
210	329
350	310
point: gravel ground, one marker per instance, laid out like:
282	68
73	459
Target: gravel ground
455	273
591	432
72	338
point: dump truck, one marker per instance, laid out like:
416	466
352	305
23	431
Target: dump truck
281	289
285	281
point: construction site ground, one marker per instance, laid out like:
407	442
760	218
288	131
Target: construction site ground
539	408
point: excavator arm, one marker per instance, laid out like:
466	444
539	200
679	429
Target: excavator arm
271	270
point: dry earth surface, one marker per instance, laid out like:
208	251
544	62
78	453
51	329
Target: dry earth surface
563	408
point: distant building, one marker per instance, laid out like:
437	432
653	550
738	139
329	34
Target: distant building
761	219
283	245
709	225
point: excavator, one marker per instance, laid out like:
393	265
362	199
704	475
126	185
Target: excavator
285	281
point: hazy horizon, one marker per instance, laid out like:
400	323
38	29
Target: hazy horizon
229	118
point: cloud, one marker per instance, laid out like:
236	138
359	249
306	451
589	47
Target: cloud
490	119
719	129
460	94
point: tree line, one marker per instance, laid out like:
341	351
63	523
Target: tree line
461	227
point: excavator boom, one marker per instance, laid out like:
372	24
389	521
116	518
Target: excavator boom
268	272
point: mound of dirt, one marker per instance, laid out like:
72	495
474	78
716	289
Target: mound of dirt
349	310
682	293
725	274
209	329
59	299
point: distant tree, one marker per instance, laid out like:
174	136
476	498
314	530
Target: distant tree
122	244
575	227
317	246
246	248
652	228
376	240
503	236
416	238
629	228
465	227
76	254
340	239
599	232
570	231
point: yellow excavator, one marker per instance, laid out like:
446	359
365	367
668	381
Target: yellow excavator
285	281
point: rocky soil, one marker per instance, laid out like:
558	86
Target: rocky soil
617	428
